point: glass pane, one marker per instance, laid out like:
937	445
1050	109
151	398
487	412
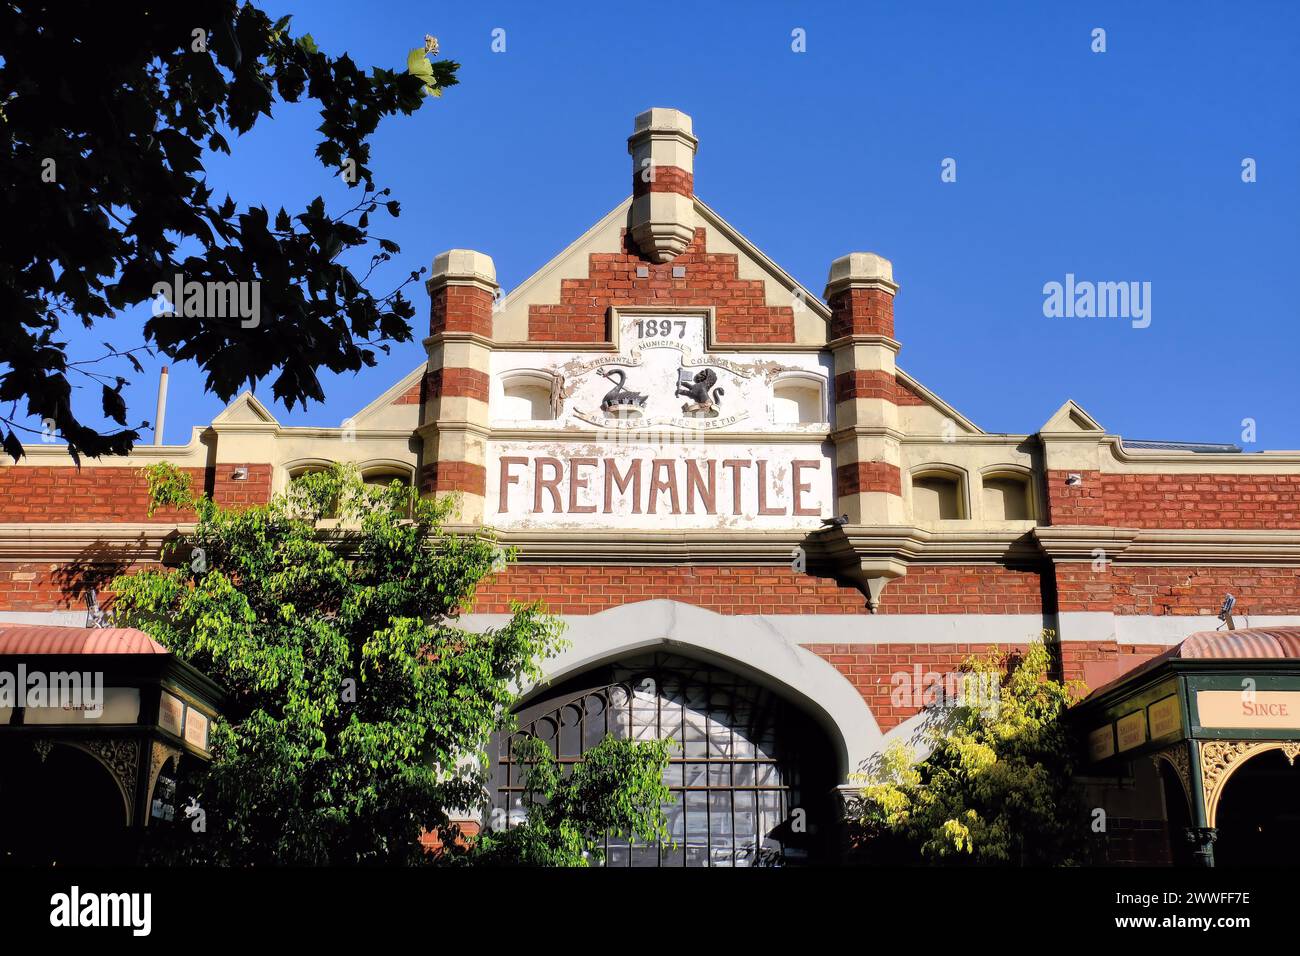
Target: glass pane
694	742
593	731
697	828
725	732
570	739
645	856
770	812
741	747
720	817
675	814
697	774
670	856
746	827
670	720
719	736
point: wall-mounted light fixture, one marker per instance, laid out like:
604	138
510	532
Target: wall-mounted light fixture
1225	612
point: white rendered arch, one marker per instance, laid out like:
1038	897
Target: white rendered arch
748	645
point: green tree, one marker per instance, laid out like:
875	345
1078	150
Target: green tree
106	113
996	787
617	788
360	714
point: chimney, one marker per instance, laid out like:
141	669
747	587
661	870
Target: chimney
162	408
662	223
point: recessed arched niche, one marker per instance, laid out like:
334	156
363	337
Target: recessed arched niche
938	495
797	400
1008	496
384	475
526	396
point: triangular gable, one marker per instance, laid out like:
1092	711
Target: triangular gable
912	392
245	410
1070	418
510	315
406	391
751	255
544	287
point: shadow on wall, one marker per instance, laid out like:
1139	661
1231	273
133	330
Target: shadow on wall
95	567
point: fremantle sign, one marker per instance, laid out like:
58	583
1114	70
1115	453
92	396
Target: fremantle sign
609	485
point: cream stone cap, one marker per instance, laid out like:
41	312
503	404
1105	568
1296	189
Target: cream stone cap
464	265
861	270
663	120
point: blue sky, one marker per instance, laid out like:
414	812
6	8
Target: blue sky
1115	166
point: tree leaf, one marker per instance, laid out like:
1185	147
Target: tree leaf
114	405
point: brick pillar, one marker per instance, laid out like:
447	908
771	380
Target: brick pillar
454	420
868	476
662	221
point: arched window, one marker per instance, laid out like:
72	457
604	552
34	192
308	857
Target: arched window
748	778
938	495
797	400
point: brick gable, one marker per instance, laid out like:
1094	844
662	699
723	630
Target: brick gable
712	279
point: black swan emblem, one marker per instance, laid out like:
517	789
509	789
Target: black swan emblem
618	396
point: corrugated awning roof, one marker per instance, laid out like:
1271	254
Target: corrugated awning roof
1250	643
41	639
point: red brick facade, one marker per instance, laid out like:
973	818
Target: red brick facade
955	572
712	279
904	394
460	308
457	383
1082	503
865	476
926	589
866	383
1201	501
52	586
588	589
1159	590
114	494
862	312
667	179
877	670
440	477
231	492
413	395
